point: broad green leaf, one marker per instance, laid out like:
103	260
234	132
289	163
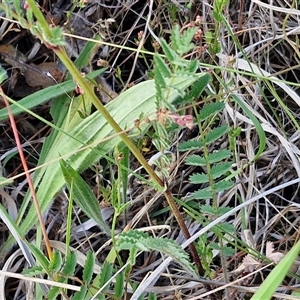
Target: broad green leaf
296	294
193	66
208	209
152	296
122	155
159	81
128	240
274	279
198	87
101	280
227	250
225	226
83	195
206	193
87	53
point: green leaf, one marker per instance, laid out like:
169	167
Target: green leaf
217	156
168	51
171	248
260	130
40	257
86	54
198	87
152	296
195	91
119	285
206	193
193	67
34	271
129	240
225	226
134	240
83	195
159	83
70	264
182	42
80	294
195	160
198	178
105	275
208	209
88	269
53	293
161	66
271	283
203	194
56	262
216	133
228	251
210	109
220	169
223	210
296	294
122	155
223	186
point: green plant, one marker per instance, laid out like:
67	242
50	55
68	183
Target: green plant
217	167
80	137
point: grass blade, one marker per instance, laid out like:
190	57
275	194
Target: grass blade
83	195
